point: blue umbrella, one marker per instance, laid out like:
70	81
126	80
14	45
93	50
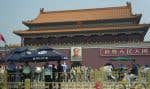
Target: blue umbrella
23	54
16	54
44	54
122	59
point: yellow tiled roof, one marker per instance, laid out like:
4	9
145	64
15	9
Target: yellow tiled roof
82	15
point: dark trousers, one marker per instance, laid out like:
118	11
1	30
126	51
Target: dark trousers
11	76
48	81
26	76
59	79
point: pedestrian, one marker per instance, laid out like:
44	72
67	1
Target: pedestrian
65	68
11	69
59	71
26	71
48	75
54	72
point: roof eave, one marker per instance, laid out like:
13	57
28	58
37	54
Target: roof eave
137	16
27	23
21	33
17	33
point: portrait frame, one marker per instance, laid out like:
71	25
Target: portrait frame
76	54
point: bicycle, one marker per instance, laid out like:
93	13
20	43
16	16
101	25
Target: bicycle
118	83
136	83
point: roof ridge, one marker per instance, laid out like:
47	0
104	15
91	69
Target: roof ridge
77	10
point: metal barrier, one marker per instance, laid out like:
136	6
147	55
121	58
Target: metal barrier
77	81
63	85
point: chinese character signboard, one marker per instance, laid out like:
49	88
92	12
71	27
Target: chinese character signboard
76	53
124	51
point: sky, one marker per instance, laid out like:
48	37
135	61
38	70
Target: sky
13	12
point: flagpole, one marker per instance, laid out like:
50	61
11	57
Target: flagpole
5	54
5	48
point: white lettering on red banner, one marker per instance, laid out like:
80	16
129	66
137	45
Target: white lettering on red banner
124	51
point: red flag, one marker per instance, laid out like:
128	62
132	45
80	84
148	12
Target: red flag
2	38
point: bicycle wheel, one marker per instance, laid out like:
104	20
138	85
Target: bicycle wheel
119	86
139	86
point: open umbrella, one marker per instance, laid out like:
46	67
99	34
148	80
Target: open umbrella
122	59
44	54
23	54
16	54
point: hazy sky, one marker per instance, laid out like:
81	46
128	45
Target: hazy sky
13	12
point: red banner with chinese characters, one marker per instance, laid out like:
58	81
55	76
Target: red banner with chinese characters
124	51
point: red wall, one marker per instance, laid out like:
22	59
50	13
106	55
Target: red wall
91	57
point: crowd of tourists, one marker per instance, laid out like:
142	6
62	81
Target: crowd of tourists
47	72
61	72
128	73
34	72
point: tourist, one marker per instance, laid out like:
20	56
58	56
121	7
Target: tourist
59	70
2	69
26	71
48	75
65	68
11	68
38	71
54	72
73	74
